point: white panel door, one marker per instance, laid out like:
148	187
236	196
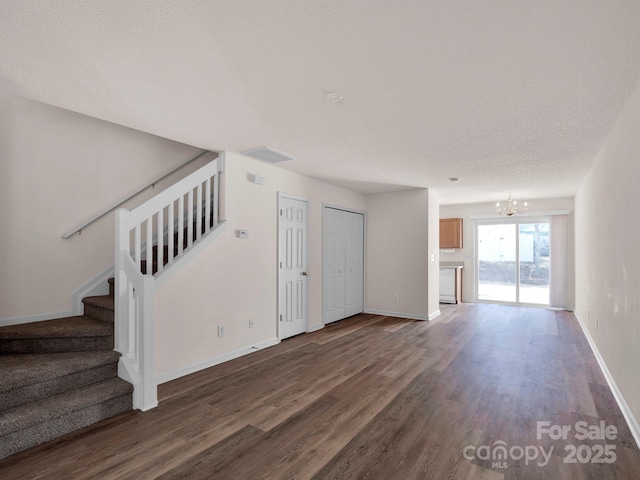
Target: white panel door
333	268
328	264
339	271
354	263
293	278
343	264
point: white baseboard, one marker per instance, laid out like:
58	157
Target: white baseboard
181	372
315	328
435	314
410	316
624	407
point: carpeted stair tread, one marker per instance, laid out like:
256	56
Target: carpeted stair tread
102	301
57	427
50	408
60	375
69	327
19	370
34	392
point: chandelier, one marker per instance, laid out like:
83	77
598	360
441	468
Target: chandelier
511	208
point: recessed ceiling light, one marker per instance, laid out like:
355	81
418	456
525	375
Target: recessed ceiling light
454	179
334	97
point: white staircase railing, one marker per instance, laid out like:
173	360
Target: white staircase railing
150	240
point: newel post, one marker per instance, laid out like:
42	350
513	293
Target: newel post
147	345
121	286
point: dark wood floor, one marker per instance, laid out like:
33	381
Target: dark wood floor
369	397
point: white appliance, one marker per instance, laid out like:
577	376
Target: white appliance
447	285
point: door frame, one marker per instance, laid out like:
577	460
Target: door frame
364	255
531	218
289	196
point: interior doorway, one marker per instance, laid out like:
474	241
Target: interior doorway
513	262
293	261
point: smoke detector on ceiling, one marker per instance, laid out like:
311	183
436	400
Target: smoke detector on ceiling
268	155
334	97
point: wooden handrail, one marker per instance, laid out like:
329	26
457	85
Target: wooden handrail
79	229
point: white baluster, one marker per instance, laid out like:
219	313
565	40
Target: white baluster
170	231
161	240
137	246
216	193
150	245
190	219
199	211
180	224
207	198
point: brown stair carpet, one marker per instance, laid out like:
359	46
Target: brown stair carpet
72	334
28	378
100	307
35	423
59	376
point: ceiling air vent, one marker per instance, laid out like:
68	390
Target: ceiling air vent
268	155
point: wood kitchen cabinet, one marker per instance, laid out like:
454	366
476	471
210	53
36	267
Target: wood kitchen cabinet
450	233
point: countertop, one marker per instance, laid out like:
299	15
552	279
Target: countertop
451	264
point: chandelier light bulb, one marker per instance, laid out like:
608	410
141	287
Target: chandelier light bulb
511	207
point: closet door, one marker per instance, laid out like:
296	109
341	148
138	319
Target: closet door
328	264
339	272
354	263
343	264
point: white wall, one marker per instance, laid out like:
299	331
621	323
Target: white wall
235	280
434	254
398	253
607	252
57	169
465	254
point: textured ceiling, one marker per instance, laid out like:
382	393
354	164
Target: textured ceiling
508	95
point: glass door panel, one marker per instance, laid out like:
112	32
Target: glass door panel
497	273
534	263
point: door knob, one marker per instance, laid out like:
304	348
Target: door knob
306	274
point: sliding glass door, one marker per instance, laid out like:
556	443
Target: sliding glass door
534	263
513	262
497	263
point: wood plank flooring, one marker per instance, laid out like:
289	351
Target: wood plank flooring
369	397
